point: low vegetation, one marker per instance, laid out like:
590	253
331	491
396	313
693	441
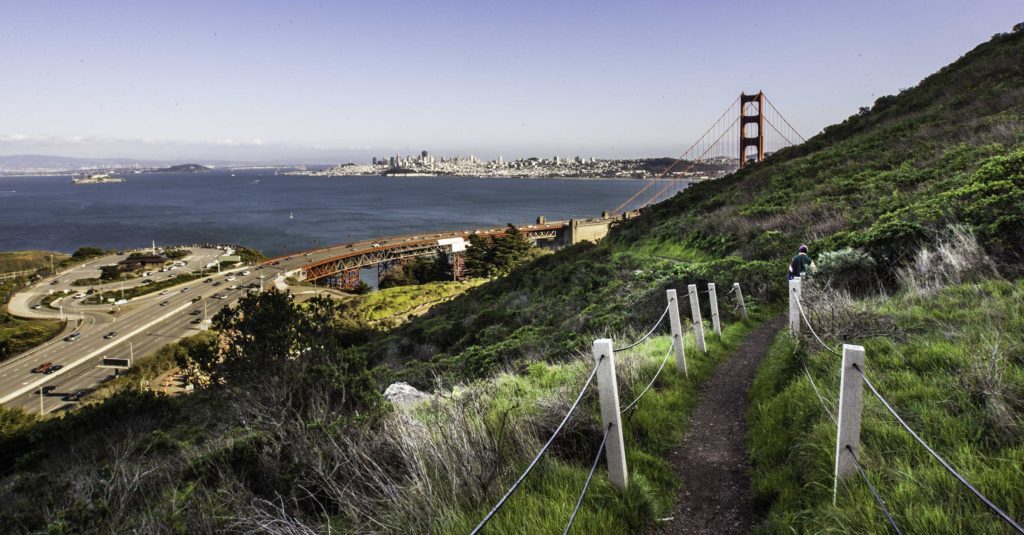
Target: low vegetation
950	360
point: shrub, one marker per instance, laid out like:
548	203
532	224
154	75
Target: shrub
848	269
954	258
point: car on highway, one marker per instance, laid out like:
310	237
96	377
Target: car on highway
164	303
208	280
42	367
246	272
165	292
275	263
52	369
219	296
37	307
185	289
229	278
46	389
54	281
233	287
109	335
78	295
76	395
195	312
216	283
196	321
196	298
72	337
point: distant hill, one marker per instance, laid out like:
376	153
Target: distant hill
183	168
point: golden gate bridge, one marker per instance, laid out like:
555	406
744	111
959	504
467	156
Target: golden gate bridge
750	129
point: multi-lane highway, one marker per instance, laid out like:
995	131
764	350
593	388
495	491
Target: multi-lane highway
144	324
140	327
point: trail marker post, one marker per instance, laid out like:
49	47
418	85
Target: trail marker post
698	326
794	306
739	300
677	331
716	324
851	390
611	418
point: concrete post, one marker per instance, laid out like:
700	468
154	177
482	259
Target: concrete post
677	331
794	307
716	324
851	390
611	418
739	300
698	327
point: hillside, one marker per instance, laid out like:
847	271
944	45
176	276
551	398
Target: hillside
305	444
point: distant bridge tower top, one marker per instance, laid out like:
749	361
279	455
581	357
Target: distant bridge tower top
751	118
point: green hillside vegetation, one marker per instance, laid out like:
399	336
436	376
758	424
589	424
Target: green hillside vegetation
17	335
288	429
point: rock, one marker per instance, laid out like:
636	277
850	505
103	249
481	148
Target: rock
403	394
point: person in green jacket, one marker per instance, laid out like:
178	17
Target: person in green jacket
801	265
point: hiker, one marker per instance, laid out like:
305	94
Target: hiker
801	265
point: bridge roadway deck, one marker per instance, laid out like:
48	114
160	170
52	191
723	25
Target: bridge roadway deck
372	252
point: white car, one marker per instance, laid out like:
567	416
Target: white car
244	273
230	278
78	295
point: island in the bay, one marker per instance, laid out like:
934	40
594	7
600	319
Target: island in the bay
96	178
183	168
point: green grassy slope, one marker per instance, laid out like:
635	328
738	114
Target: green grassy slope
954	372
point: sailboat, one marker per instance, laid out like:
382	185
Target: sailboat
291	215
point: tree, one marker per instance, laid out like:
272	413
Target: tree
110	273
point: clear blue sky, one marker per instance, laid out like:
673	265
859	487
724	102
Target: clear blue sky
329	81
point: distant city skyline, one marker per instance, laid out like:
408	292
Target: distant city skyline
333	81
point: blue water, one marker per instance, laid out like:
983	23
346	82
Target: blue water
51	213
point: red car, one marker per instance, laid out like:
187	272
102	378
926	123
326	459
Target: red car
42	367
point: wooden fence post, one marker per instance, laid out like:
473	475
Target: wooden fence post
794	306
698	326
677	331
611	418
739	300
716	324
851	390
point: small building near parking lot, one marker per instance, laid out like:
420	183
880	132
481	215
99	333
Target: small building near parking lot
141	262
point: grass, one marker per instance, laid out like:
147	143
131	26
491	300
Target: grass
545	501
22	260
393	304
942	379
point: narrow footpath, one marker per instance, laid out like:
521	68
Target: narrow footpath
712	460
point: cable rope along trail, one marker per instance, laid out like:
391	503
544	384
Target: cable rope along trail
533	463
808	323
653	379
820	398
945	464
646	336
593	468
878	498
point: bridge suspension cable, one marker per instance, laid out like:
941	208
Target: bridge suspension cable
756	123
688	152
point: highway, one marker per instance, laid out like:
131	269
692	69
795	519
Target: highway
144	324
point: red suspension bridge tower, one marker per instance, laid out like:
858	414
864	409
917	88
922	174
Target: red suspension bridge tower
751	115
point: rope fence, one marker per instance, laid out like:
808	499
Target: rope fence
612	445
853	379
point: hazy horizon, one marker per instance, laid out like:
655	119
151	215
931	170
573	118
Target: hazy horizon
321	83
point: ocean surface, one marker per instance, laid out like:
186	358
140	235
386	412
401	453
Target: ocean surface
279	214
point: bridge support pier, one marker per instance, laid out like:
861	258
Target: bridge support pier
350	279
